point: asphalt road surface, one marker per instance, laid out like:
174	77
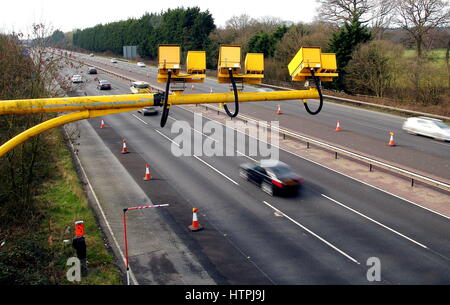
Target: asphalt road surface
327	234
363	130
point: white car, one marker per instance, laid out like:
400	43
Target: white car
141	64
114	61
429	127
77	79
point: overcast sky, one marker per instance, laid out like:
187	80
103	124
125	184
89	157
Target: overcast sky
66	15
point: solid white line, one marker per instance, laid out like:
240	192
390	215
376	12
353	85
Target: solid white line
345	175
374	221
140	119
312	233
210	166
103	215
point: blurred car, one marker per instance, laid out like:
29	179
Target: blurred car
104	85
113	60
77	79
272	176
140	87
148	111
429	127
141	64
92	70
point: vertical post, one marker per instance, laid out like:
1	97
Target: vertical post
126	244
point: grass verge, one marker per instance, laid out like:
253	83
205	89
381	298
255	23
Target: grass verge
37	253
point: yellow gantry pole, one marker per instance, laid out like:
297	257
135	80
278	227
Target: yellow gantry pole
94	106
59	121
68	104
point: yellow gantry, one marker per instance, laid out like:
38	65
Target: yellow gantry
93	106
309	62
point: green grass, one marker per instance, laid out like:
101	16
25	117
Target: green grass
61	203
64	203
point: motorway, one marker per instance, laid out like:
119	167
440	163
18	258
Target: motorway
363	131
324	235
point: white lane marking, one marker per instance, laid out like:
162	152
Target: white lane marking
312	233
167	138
210	166
140	119
374	221
213	168
345	175
242	154
133	278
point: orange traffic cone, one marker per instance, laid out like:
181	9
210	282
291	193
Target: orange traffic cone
102	125
391	141
147	174
124	147
279	110
195	224
338	127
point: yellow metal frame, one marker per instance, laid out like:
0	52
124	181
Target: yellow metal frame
229	57
170	59
94	106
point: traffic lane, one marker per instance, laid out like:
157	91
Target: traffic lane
356	120
360	236
410	225
365	123
397	213
277	246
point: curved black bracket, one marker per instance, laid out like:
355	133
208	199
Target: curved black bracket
317	82
236	99
166	108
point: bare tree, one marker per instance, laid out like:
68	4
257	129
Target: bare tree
420	17
345	11
382	16
239	22
375	13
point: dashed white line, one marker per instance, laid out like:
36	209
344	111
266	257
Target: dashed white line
167	138
216	170
140	119
312	233
374	221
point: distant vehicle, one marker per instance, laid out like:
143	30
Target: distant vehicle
113	60
272	176
429	127
148	111
141	64
91	55
104	85
140	87
77	79
92	70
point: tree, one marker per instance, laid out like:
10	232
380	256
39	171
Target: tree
372	67
377	13
420	17
344	43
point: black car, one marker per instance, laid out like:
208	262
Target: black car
92	71
272	176
148	111
104	85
